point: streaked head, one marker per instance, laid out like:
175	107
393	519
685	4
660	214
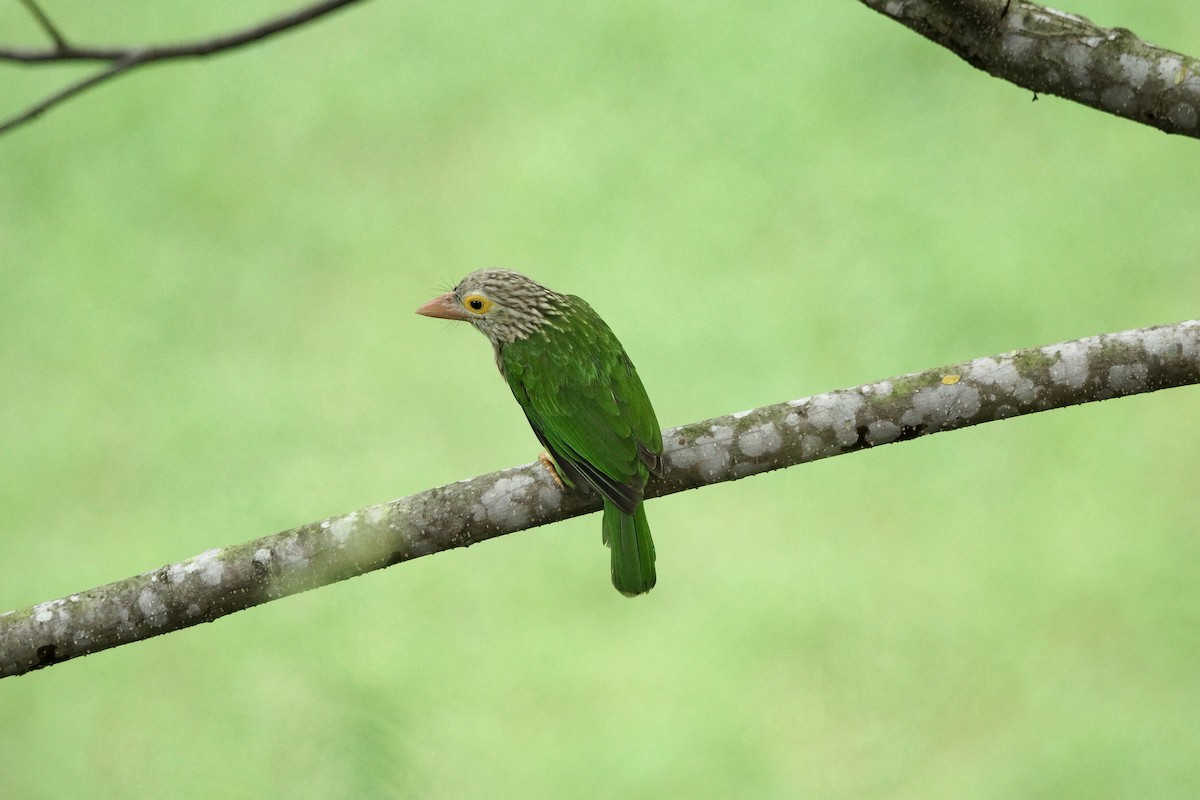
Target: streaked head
504	305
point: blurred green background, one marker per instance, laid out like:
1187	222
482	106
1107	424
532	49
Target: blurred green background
206	335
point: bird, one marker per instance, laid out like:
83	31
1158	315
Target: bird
582	397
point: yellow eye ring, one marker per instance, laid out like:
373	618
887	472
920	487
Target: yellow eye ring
476	303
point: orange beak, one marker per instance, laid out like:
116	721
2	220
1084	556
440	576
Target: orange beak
443	306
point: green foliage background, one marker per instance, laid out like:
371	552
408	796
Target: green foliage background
206	335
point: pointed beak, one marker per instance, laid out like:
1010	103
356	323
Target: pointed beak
443	307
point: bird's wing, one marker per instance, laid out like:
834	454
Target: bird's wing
586	404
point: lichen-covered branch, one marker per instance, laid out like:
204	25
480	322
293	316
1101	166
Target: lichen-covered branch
122	59
229	579
1053	52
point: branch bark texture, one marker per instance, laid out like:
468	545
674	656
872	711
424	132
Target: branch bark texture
1053	52
225	580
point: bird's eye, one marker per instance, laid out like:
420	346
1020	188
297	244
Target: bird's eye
477	303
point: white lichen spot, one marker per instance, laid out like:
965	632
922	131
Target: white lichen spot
882	432
721	433
986	371
152	607
74	598
760	439
1004	376
707	454
684	457
742	414
811	447
202	563
893	8
1175	341
1078	58
1189	343
375	515
1167	68
1025	390
880	389
1160	342
1052	77
1127	377
499	504
947	403
799	403
1016	46
1135	69
549	494
792	420
291	554
44	612
837	413
1070	365
193	610
342	528
176	572
210	567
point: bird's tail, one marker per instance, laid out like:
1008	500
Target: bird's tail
632	549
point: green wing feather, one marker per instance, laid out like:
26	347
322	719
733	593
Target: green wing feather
585	402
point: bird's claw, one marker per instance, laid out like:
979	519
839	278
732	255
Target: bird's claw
548	463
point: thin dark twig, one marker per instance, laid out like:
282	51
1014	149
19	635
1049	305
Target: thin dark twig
60	41
124	59
31	113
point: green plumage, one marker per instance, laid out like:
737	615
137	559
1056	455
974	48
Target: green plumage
582	397
587	405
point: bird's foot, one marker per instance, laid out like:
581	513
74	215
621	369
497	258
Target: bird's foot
548	463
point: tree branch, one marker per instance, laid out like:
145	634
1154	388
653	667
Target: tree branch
123	59
1038	48
225	580
1053	52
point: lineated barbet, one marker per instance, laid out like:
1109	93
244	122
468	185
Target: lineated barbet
581	395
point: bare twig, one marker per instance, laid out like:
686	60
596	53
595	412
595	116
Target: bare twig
36	12
124	59
1053	52
118	67
230	579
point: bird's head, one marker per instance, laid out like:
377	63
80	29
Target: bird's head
504	305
